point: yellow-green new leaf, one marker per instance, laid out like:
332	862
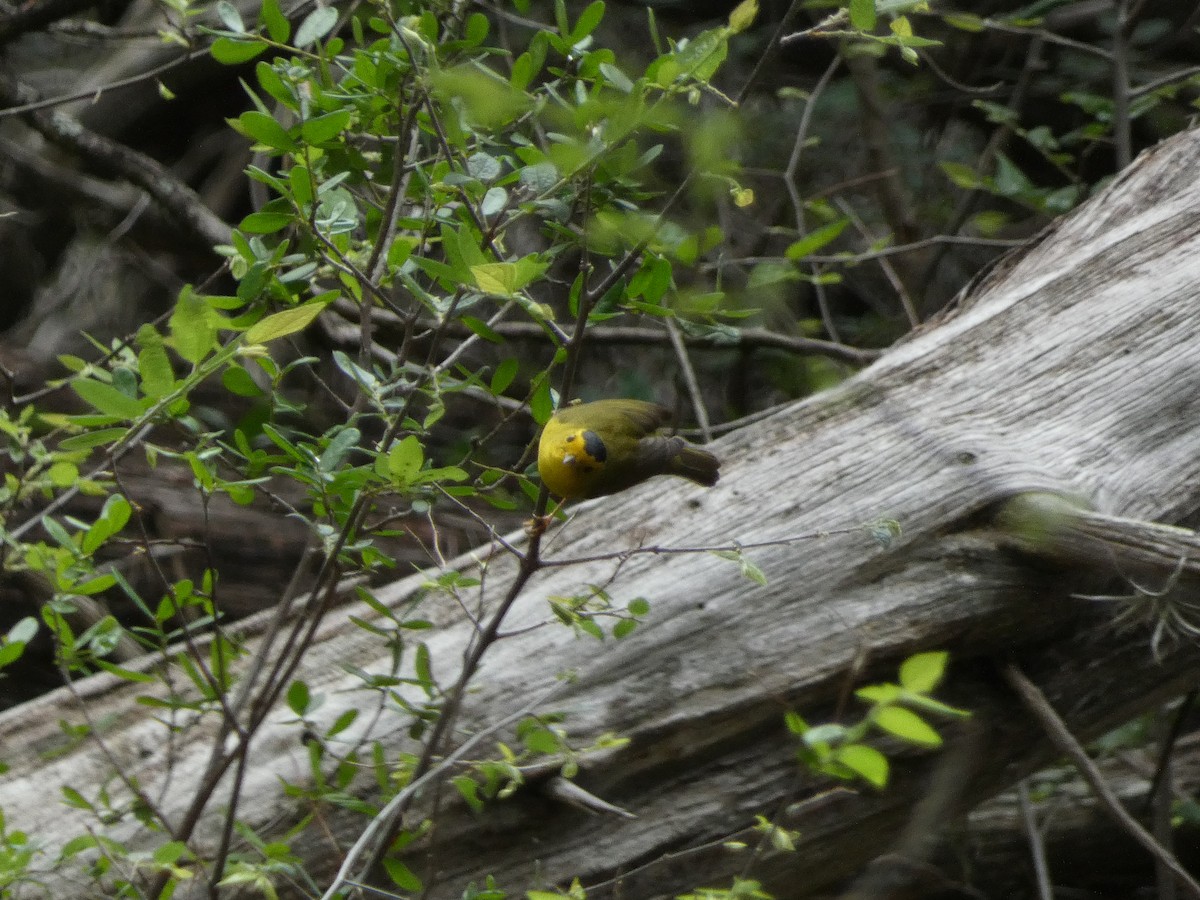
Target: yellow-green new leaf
108	399
907	725
743	16
922	672
281	324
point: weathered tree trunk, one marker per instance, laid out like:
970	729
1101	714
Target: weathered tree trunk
1073	369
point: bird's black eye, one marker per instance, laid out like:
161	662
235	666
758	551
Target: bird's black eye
572	438
594	446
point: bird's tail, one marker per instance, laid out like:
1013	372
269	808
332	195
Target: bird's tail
697	465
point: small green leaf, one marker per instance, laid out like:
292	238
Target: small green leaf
906	724
964	22
298	697
154	366
862	14
238	381
278	27
499	279
815	240
91	439
482	329
231	52
865	761
587	21
922	673
265	222
639	607
541	404
325	128
107	399
405	460
503	376
263	129
316	25
401	875
624	627
192	333
230	17
963	176
743	16
343	442
467	787
281	324
63	474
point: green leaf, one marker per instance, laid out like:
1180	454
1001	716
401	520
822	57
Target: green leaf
91	439
743	16
344	721
238	381
496	278
401	875
405	460
922	673
541	404
281	324
230	17
503	376
624	627
10	652
316	25
265	130
862	14
116	512
126	674
63	474
298	697
278	27
587	21
879	693
481	328
815	240
963	176
865	761
231	52
192	333
424	668
325	128
906	724
964	22
107	399
469	789
154	366
703	55
265	222
343	442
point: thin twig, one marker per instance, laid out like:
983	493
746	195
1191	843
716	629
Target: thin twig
1037	846
689	378
1037	704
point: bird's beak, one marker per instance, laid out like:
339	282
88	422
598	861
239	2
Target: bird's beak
568	459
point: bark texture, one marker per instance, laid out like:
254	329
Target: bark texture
1073	368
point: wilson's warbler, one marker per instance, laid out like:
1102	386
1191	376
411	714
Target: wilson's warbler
593	449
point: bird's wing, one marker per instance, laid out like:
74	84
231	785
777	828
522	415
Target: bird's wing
645	418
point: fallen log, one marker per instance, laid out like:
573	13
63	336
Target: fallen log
1057	404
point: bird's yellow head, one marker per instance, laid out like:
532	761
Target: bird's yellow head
570	460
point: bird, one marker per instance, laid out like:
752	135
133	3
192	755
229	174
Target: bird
592	449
